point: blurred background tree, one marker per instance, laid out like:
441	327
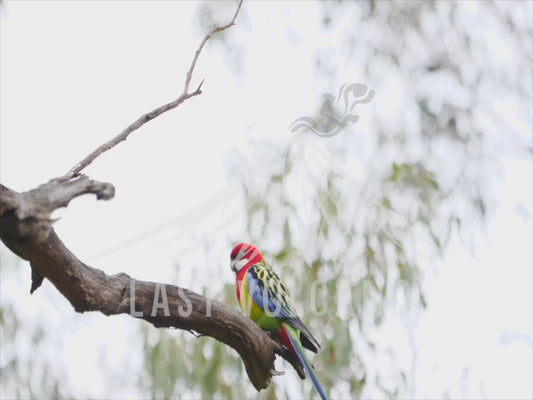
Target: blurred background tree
369	211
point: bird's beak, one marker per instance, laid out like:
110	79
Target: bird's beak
232	264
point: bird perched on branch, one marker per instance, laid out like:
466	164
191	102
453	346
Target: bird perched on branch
264	297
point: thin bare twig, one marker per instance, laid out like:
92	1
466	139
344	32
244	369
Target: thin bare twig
143	119
215	30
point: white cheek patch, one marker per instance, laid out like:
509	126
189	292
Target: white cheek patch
241	263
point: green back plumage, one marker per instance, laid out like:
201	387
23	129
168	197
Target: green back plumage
271	294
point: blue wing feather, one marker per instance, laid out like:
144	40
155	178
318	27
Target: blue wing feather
267	291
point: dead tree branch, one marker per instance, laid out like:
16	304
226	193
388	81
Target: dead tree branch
26	228
25	218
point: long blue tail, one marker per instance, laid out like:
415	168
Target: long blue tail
298	350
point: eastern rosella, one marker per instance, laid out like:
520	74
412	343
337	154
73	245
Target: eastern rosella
264	297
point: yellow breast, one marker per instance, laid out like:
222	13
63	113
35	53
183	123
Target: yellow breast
248	306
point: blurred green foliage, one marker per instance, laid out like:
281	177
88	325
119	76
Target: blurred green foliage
26	374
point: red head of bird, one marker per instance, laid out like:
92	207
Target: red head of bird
244	255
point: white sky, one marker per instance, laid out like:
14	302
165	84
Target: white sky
74	74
